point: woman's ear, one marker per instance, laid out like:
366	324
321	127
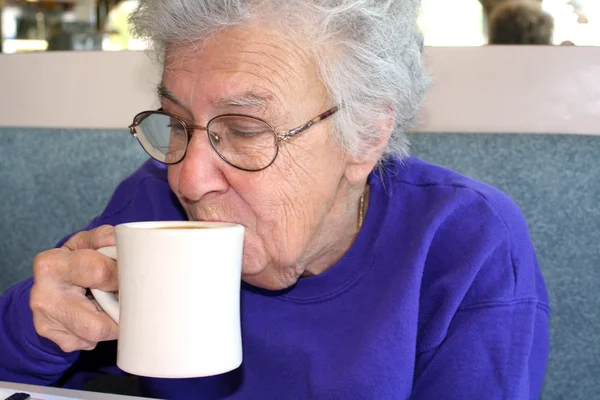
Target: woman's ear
359	167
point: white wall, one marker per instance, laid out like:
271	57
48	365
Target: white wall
476	89
545	89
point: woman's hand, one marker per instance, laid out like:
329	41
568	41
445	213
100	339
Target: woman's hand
61	310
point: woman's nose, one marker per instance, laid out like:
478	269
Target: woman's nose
200	171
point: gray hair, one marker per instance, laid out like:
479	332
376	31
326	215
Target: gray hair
378	63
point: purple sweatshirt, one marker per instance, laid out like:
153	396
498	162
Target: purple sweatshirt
440	296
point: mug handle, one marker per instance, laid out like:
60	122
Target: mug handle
108	301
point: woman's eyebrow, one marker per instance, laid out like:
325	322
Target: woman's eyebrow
164	93
245	100
259	102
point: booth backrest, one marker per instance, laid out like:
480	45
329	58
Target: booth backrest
54	182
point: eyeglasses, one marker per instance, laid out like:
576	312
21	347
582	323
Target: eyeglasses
245	142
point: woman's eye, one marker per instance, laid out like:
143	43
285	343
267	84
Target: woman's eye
244	133
176	127
246	130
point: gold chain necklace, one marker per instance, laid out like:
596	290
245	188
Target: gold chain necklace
361	217
361	209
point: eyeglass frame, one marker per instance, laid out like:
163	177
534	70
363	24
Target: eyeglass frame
189	129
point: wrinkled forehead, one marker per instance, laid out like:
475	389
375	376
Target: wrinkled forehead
249	65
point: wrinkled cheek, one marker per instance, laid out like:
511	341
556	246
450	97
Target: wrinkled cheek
254	259
266	254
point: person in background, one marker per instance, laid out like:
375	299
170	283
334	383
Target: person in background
520	22
367	273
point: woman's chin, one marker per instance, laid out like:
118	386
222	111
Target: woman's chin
253	259
249	271
260	270
263	277
266	281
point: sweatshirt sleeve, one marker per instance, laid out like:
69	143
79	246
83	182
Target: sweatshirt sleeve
487	334
494	351
27	357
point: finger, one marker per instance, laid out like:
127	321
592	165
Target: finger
47	264
61	337
82	268
72	314
84	321
69	343
90	269
101	236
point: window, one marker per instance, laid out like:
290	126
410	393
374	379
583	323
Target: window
462	23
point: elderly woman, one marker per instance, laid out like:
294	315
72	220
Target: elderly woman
368	274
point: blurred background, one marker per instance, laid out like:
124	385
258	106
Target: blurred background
40	25
466	22
64	25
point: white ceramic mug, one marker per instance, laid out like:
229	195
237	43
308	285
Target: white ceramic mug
178	308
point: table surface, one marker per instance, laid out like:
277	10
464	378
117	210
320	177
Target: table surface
51	393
